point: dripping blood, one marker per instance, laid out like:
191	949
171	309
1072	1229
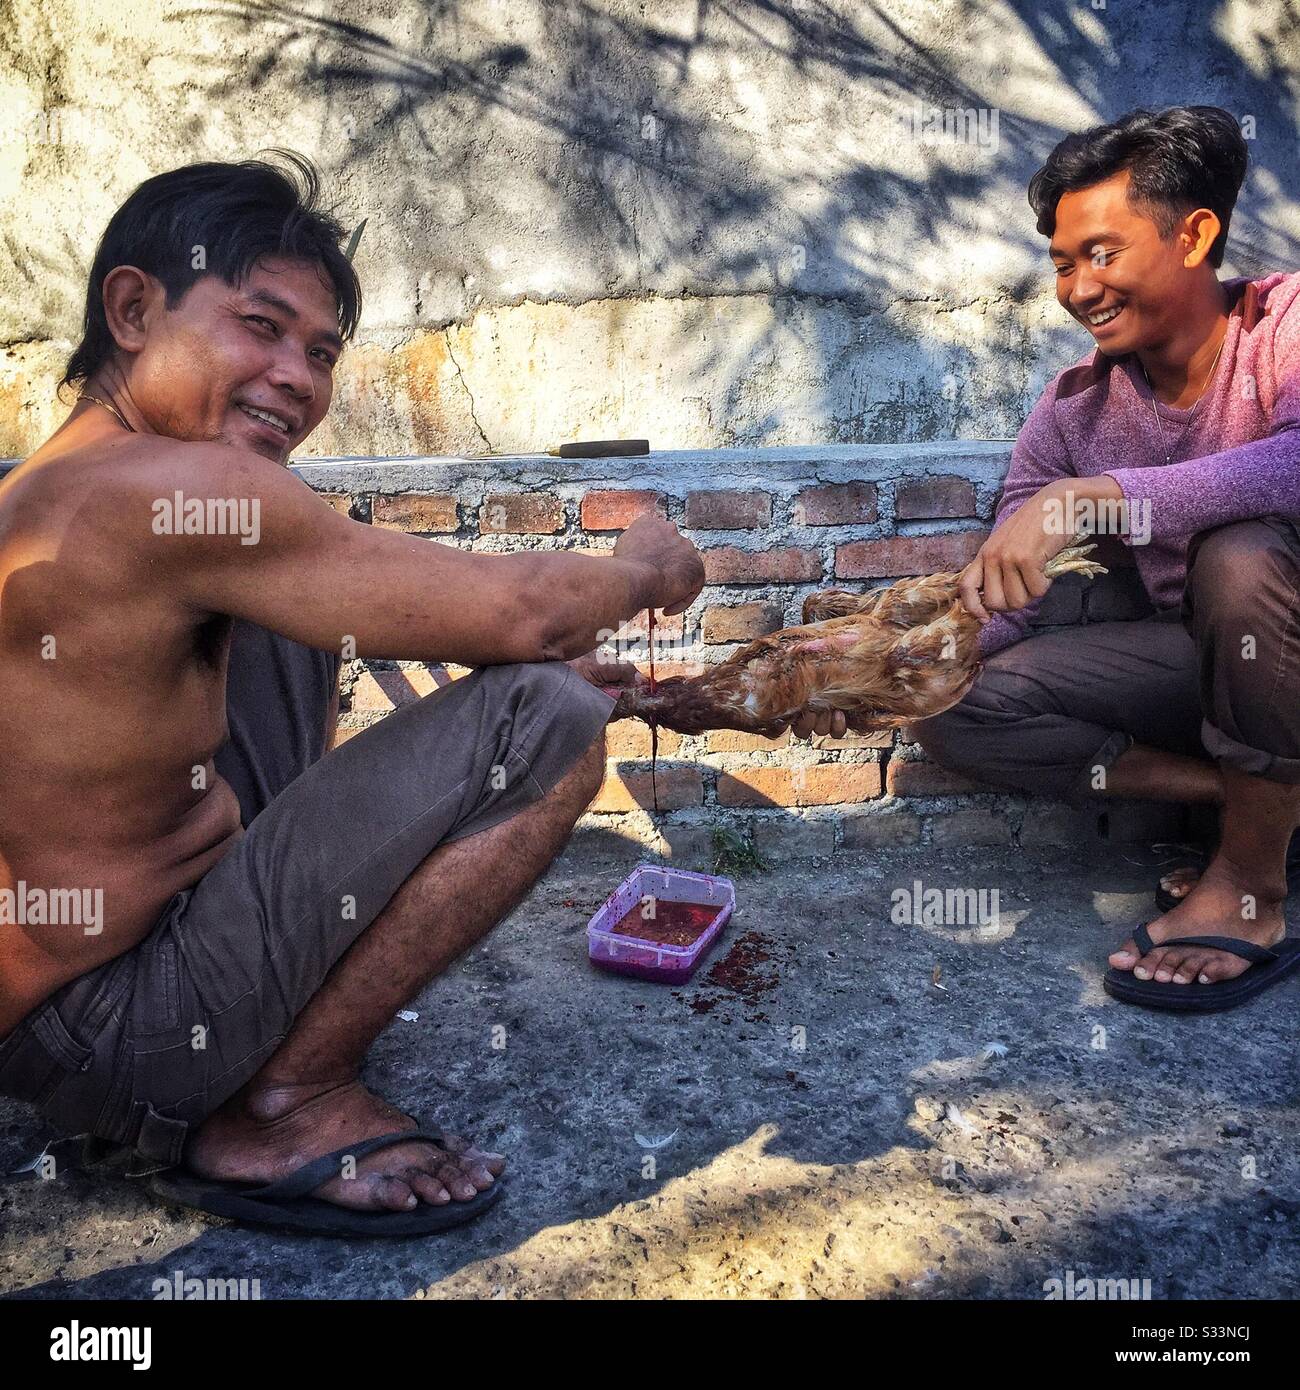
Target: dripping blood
654	727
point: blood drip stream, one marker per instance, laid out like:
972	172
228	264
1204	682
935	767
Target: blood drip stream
654	728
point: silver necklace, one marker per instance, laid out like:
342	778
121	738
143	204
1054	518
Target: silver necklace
1196	405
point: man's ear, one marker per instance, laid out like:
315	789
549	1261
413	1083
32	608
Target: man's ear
131	298
1199	231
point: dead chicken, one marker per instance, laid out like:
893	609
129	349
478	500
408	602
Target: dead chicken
886	657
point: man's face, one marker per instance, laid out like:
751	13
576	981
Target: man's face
1113	265
268	346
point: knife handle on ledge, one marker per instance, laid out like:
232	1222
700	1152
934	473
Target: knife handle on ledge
601	448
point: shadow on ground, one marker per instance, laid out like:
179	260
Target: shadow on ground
840	1125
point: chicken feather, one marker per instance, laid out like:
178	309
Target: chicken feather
886	658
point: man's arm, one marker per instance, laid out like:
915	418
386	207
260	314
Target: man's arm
1038	459
321	579
1258	478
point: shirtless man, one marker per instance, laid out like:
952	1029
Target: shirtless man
255	939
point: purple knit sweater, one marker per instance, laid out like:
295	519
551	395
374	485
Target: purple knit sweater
1238	458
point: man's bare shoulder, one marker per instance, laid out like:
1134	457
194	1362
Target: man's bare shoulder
113	485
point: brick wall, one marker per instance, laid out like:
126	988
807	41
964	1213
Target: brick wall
773	525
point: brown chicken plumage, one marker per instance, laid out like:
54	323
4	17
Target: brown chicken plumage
886	658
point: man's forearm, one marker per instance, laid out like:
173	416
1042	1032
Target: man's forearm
585	598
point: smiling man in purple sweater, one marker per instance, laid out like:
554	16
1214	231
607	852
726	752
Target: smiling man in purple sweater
1176	444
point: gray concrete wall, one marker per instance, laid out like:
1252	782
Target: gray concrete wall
729	224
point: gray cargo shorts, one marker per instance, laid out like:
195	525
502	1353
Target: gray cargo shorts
150	1043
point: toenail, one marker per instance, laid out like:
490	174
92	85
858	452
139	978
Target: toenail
1204	979
1142	974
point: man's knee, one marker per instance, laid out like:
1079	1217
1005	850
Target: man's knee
950	738
1233	569
553	707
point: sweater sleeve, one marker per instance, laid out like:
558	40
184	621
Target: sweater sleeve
1039	457
1253	479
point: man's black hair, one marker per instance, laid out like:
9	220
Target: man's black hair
238	213
1179	159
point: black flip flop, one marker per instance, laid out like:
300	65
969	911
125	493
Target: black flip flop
285	1204
1267	967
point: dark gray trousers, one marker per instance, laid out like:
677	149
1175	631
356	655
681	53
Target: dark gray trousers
145	1046
1217	678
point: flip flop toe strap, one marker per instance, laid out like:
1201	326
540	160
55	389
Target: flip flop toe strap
320	1170
1234	945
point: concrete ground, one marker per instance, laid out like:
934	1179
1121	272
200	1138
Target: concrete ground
832	1122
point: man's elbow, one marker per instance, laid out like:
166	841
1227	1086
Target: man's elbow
557	641
562	625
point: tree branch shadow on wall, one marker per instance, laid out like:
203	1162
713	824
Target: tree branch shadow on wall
616	144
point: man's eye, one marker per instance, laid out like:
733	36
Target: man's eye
269	323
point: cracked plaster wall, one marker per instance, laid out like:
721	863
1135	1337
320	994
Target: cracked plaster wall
732	224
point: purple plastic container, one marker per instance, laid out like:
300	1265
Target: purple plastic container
650	960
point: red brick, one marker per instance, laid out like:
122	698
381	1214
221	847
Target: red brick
929	497
741	622
728	510
415	511
836	504
613	511
1058	825
725	564
790	838
734	741
385	690
521	513
823	784
666	629
340	501
663	669
624	791
922	778
630	738
901	555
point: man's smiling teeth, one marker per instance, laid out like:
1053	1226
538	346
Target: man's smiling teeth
281	425
1105	316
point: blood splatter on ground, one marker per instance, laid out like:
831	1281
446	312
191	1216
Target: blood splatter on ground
750	970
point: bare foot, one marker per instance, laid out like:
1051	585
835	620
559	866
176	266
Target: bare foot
1179	882
264	1136
1224	901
